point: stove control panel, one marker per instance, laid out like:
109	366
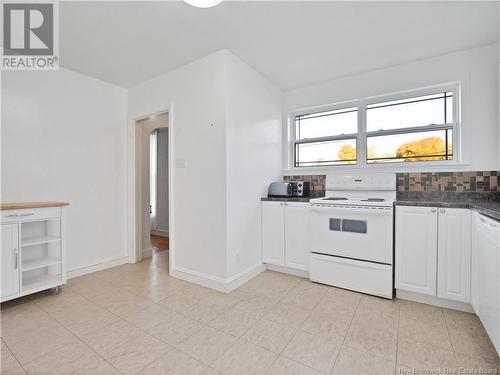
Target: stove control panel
361	181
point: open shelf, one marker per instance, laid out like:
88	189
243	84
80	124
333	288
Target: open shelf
34	283
33	264
34	248
39	240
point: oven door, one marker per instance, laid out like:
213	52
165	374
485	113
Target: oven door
363	233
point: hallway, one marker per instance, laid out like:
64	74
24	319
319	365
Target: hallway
159	243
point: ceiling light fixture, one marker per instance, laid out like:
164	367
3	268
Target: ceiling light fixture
203	3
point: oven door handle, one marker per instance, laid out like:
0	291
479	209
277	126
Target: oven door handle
365	211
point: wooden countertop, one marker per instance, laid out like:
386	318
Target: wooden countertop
22	205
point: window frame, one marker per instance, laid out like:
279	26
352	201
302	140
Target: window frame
340	137
363	134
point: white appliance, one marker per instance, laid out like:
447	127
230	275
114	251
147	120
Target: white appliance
351	233
488	238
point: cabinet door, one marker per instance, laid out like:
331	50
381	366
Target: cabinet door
416	249
454	254
10	260
296	255
474	269
273	236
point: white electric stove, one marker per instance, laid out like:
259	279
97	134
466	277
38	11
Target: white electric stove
351	233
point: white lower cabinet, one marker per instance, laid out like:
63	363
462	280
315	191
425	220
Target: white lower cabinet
10	260
474	275
33	248
416	249
454	254
284	234
296	255
273	233
433	251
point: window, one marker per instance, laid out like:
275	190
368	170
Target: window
415	129
396	129
326	138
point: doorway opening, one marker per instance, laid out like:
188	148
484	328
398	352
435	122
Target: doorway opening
152	180
158	189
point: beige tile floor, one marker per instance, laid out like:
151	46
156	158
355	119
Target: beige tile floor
135	319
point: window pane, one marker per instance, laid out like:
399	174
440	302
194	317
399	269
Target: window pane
417	111
324	124
325	153
449	108
421	146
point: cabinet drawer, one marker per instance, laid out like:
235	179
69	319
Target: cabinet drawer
365	277
9	216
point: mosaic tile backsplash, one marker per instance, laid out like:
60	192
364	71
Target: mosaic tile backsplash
477	181
483	181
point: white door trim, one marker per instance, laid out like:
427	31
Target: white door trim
134	248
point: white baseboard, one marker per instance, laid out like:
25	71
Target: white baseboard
217	283
147	253
160	232
436	301
246	275
209	281
288	270
97	267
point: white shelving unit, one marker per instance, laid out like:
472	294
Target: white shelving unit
33	284
33	249
39	240
30	265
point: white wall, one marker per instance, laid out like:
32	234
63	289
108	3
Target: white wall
498	88
225	125
195	93
477	71
254	149
64	139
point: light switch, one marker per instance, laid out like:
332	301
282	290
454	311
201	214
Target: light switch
180	163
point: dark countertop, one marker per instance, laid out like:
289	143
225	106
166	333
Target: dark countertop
312	195
285	199
485	203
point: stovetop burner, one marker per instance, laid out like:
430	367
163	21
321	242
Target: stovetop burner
355	201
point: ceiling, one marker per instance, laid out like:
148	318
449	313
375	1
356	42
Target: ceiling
292	43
